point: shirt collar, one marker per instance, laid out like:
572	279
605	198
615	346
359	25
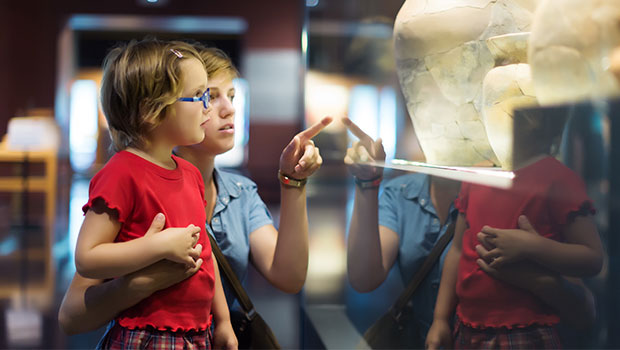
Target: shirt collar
226	187
417	189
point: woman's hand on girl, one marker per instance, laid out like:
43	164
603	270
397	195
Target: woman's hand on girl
503	246
178	244
163	273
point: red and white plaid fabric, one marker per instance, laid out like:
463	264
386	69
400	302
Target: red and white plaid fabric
119	338
532	337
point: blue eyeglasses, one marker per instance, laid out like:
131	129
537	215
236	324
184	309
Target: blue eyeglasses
204	98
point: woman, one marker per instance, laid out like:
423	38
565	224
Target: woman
236	217
404	223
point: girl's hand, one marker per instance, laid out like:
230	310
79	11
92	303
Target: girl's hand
178	243
300	158
507	245
224	336
439	336
362	151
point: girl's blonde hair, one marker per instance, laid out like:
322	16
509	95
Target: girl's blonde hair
140	80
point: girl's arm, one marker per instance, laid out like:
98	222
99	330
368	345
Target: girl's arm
282	256
440	334
569	297
223	333
90	303
581	255
97	256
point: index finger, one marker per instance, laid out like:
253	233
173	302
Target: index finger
316	128
355	130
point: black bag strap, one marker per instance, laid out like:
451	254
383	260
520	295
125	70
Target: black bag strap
407	294
233	280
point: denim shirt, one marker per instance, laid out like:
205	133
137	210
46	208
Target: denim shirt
405	207
239	211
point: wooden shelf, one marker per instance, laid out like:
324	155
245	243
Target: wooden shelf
494	177
45	184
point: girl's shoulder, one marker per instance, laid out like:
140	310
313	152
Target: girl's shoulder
120	165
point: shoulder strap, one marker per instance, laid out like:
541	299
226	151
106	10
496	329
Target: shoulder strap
423	271
233	280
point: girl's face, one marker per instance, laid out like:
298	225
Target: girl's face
185	122
220	130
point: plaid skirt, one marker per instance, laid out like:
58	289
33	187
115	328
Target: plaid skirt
120	338
532	337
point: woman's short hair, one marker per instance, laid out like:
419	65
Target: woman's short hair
216	61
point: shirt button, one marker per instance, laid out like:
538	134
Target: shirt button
216	220
435	221
225	200
422	201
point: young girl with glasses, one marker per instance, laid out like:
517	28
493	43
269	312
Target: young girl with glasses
154	96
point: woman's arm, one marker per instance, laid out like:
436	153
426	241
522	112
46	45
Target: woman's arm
89	303
223	334
371	249
569	297
98	256
581	254
282	256
440	334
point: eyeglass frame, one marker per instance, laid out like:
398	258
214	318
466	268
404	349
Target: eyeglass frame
205	98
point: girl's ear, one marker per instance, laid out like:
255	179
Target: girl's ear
150	117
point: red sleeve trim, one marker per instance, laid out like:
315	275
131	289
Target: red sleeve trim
586	208
88	206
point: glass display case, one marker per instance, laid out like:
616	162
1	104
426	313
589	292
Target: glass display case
441	119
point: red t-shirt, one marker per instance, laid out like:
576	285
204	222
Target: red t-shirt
138	190
546	192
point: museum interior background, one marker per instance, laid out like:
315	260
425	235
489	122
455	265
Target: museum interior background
299	60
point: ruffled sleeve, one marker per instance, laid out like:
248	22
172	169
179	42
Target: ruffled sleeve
114	186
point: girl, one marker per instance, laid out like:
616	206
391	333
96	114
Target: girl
155	97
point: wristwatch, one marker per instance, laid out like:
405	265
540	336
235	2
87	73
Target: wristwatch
370	183
291	182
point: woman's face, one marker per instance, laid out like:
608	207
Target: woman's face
220	130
